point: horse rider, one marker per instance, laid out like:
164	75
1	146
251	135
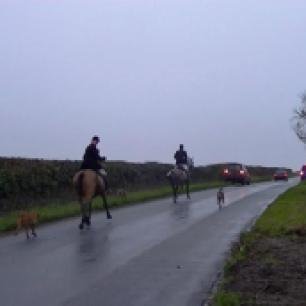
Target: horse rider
181	158
92	159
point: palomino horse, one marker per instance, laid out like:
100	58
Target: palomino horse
178	178
88	185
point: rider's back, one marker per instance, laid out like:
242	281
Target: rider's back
91	158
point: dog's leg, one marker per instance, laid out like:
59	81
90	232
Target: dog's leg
33	230
27	232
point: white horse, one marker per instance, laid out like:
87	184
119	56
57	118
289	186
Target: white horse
180	177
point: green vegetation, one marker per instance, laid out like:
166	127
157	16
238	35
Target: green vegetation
284	220
227	299
286	215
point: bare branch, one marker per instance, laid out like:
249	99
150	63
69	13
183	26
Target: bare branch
299	119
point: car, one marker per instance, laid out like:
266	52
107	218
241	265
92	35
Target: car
236	173
280	174
303	173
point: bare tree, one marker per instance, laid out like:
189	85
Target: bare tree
299	119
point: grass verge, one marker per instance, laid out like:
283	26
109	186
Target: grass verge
266	265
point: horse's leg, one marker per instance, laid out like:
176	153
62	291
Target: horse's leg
187	189
89	214
33	230
175	190
85	213
108	214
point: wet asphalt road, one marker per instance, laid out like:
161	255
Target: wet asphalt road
156	254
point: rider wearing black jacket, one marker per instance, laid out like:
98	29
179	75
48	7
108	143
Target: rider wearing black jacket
181	156
92	159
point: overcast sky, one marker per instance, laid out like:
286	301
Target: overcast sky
222	77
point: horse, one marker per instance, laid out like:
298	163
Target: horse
179	177
88	185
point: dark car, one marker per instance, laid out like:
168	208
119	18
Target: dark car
303	173
280	174
236	173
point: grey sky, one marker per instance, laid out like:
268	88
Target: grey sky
222	77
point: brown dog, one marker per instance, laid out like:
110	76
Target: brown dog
121	193
27	220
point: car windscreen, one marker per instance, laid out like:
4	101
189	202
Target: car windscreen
280	171
236	167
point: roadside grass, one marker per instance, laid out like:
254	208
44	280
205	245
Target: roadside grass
57	211
285	217
227	299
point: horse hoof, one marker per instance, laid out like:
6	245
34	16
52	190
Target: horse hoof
81	226
87	221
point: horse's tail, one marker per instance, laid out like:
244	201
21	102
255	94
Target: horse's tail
79	185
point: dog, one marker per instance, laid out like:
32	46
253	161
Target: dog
27	220
220	197
117	193
121	193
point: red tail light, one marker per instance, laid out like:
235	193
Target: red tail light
302	173
241	172
225	171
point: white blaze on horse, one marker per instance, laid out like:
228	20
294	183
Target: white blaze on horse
180	177
89	185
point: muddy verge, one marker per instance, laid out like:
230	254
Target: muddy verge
274	273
